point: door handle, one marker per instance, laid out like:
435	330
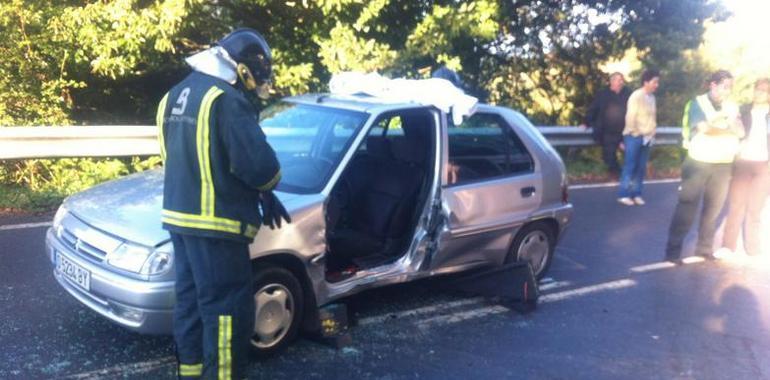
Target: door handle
528	191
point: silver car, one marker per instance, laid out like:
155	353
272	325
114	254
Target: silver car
379	193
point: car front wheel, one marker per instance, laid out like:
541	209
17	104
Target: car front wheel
278	311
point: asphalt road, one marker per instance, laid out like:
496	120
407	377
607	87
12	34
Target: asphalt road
610	310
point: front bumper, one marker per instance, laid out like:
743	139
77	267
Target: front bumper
142	306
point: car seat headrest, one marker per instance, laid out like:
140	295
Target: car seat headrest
409	151
378	147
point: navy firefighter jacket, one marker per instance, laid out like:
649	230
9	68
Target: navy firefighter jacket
216	159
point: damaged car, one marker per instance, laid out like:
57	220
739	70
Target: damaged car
379	191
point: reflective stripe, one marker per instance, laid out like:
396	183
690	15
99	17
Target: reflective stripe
204	153
190	370
225	342
251	231
229	351
159	122
221	346
201	221
271	184
686	125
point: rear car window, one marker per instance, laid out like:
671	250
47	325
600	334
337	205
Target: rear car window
484	147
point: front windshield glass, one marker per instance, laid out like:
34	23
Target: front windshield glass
309	141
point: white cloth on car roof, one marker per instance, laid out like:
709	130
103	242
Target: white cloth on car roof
440	93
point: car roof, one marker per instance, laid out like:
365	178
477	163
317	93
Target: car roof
370	104
358	102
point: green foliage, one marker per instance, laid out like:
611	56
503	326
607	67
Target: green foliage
109	62
344	51
585	164
33	184
20	198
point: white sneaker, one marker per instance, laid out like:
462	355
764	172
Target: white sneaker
731	257
724	253
639	201
626	201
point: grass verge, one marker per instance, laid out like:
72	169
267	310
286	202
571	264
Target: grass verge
584	165
16	199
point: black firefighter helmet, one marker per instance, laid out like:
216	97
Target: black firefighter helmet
254	61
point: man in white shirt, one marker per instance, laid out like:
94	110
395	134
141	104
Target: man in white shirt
641	121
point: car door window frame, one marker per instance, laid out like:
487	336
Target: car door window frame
512	136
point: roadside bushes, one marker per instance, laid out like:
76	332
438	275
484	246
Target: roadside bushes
585	164
40	185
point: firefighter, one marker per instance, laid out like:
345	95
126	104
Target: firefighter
220	173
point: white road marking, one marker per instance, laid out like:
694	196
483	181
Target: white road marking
25	225
419	311
614	184
666	264
572	293
652	267
459	317
125	369
554	285
497	309
693	260
446	306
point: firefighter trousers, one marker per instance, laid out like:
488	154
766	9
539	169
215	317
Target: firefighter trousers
214	312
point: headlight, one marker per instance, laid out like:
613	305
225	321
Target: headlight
60	214
160	261
129	257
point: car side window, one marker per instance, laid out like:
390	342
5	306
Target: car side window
388	128
485	147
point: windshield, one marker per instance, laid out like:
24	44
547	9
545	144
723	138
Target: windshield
309	142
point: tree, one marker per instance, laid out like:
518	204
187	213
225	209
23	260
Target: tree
551	51
82	61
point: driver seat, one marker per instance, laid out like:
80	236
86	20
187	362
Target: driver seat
384	186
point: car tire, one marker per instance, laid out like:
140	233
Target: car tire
534	243
276	293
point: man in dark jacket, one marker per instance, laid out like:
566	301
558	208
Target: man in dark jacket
606	115
219	169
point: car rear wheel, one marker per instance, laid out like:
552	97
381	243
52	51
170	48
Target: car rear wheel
278	312
535	244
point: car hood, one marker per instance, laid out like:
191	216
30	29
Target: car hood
130	207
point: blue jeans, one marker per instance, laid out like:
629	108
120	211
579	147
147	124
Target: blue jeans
634	167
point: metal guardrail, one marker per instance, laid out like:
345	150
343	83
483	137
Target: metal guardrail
576	136
68	142
18	143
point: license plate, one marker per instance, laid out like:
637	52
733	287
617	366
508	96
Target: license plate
73	272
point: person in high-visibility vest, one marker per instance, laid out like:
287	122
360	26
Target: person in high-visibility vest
714	131
219	172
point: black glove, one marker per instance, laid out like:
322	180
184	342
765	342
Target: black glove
272	210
